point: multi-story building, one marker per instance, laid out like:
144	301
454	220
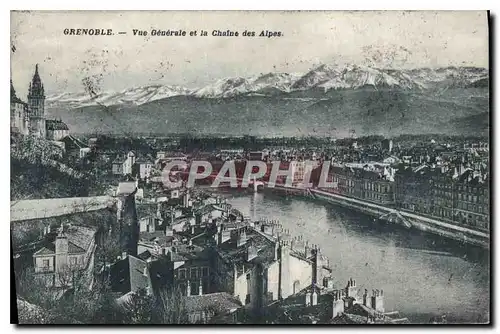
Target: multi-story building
260	264
472	200
442	193
69	256
19	118
458	195
413	190
363	181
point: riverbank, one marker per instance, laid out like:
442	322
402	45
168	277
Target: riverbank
410	220
423	275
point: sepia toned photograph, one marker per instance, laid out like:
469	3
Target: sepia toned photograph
250	167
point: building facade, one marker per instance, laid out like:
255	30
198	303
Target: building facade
69	257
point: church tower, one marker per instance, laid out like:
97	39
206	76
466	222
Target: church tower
36	106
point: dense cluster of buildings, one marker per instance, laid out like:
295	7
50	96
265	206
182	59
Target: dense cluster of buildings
445	182
200	246
458	194
225	267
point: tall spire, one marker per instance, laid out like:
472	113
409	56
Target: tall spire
36	86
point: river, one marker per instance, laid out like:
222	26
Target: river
422	275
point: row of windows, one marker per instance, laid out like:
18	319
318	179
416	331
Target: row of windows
375	196
194	288
443	193
194	272
470	219
472	207
73	260
481	190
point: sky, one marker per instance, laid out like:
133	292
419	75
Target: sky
390	39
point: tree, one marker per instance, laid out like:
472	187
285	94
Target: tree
167	307
139	308
170	307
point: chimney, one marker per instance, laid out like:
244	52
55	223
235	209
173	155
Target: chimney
251	252
124	255
314	266
308	298
190	242
61	258
158	210
338	304
168	231
242	238
314	298
365	298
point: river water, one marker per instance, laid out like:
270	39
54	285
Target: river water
423	276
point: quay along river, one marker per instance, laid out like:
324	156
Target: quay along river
423	276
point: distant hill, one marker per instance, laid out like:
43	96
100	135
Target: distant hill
328	100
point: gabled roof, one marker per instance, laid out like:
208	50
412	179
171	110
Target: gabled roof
49	250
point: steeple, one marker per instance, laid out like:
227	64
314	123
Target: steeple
36	86
36	106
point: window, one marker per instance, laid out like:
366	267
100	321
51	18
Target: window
46	264
205	271
194	273
182	273
72	261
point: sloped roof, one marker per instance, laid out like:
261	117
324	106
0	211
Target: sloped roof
80	236
54	124
186	253
127	275
126	188
49	250
80	239
220	303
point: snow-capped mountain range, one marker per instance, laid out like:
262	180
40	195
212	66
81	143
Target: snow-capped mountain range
320	79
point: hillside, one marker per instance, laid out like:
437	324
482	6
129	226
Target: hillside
367	111
37	172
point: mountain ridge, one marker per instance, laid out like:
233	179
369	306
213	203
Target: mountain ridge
321	79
